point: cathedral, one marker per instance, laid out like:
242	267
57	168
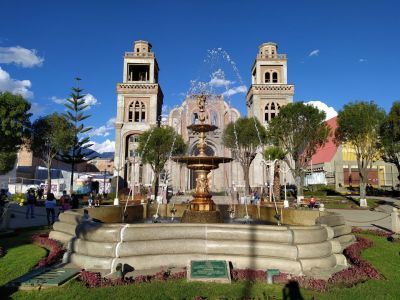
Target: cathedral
139	103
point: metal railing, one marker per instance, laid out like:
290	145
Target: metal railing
139	54
274	56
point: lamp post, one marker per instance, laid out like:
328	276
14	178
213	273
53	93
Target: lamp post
118	169
104	180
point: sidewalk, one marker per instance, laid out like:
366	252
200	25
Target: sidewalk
19	220
379	218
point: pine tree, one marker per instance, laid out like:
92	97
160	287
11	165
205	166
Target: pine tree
80	151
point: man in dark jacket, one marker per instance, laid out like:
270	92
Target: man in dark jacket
30	203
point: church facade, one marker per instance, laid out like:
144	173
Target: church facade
139	103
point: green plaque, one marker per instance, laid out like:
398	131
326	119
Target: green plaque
209	270
49	278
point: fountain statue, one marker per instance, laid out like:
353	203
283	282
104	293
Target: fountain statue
202	207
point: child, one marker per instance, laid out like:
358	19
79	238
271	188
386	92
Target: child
90	200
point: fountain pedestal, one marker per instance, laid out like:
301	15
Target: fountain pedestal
202	207
192	216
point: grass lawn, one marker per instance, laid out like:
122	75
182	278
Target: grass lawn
384	256
342	202
21	255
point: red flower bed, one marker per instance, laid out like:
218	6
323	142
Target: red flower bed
94	279
55	249
360	271
377	232
2	251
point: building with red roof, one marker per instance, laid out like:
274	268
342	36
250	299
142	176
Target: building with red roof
336	164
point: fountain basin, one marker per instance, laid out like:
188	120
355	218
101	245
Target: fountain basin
291	248
201	162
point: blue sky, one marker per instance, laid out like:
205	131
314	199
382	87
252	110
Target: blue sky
45	44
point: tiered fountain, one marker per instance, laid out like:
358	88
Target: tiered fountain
308	240
202	207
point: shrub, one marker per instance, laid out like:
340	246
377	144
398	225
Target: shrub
55	249
361	271
2	251
94	279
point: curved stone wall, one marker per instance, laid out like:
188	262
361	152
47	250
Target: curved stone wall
292	249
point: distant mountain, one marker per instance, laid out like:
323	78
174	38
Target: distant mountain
105	155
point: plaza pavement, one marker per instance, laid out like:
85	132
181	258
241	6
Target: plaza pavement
18	220
379	218
364	218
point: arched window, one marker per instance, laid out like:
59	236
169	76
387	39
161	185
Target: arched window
267	77
275	77
271	110
214	118
195	118
266	116
137	112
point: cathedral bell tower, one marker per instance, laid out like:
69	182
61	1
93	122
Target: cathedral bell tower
269	89
139	102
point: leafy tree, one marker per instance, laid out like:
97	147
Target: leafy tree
358	127
276	155
79	152
14	128
299	130
7	161
390	137
243	140
155	147
51	135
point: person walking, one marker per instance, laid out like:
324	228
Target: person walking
50	205
90	200
74	201
30	203
65	201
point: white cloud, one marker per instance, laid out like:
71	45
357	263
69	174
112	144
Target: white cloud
218	79
103	130
26	58
36	108
314	53
90	100
15	86
57	100
361	60
329	110
235	90
111	122
106	146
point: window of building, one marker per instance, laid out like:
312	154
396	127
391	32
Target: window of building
271	110
275	77
134	139
267	77
214	118
266	116
138	72
137	112
195	118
